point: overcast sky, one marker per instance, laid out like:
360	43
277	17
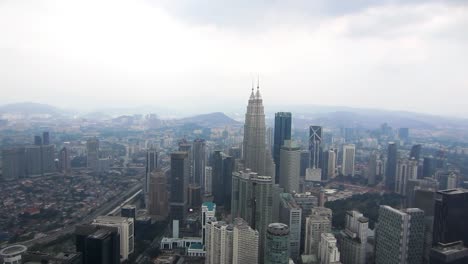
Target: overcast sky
402	55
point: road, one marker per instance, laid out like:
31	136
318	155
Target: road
103	210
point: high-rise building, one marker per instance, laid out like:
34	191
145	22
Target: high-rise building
329	164
37	140
180	170
416	152
372	169
450	216
45	138
406	170
305	159
33	160
13	163
290	156
48	158
315	147
125	227
98	244
391	166
353	240
223	166
92	153
208	215
194	196
252	197
403	134
245	243
219	243
349	153
318	222
450	253
208	187
282	133
151	165
291	215
128	211
199	162
64	160
429	166
277	243
328	250
399	236
158	202
254	145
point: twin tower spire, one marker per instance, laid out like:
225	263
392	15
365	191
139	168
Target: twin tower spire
256	95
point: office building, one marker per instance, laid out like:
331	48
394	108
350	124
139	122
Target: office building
452	253
391	166
277	243
45	138
194	196
329	164
13	160
33	160
315	148
290	155
208	188
128	211
98	244
48	158
199	162
399	236
416	152
450	216
429	166
290	213
282	132
328	250
353	239
305	159
219	243
252	197
125	227
406	170
349	153
372	169
158	200
245	243
223	166
64	160
151	165
318	222
92	153
208	215
180	170
254	145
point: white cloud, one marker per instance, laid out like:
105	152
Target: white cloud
395	56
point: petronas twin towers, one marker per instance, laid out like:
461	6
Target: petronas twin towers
256	155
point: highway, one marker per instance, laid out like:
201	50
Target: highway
111	205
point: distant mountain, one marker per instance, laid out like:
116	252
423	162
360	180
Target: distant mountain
216	119
28	108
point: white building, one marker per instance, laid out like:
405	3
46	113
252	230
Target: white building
219	243
349	152
208	215
125	228
290	165
353	240
318	222
406	170
245	243
328	251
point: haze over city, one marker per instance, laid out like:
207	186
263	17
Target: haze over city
396	55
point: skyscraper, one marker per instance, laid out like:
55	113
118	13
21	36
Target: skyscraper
64	160
125	227
158	202
208	215
315	148
353	240
291	215
92	150
223	166
179	185
406	170
33	160
282	133
252	197
290	157
45	138
349	152
328	250
208	186
450	216
399	236
199	162
13	163
48	158
329	164
276	250
391	166
305	159
219	243
254	134
245	243
318	222
98	244
372	169
151	165
416	152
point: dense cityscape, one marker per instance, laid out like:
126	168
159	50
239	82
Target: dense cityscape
211	189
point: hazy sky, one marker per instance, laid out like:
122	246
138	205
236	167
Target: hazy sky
400	54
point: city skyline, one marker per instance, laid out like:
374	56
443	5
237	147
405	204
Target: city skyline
359	55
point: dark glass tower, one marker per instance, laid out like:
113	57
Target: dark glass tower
98	244
416	152
179	185
391	168
450	217
199	162
282	133
222	179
